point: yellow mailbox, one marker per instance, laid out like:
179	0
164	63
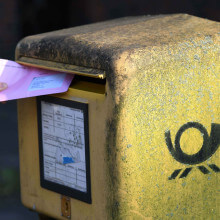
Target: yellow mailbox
137	134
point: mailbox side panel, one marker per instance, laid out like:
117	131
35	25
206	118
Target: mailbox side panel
167	126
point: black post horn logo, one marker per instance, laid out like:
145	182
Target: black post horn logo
209	147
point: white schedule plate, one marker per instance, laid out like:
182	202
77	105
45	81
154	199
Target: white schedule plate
64	150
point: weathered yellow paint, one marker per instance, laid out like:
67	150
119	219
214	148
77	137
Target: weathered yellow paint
183	87
47	202
161	73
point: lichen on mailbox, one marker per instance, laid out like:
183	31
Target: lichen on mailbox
162	88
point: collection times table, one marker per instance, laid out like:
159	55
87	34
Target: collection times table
63	145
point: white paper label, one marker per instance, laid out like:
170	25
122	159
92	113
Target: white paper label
64	145
47	82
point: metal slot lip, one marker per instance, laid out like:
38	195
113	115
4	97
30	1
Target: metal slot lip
62	67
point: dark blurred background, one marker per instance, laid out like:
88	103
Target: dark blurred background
19	18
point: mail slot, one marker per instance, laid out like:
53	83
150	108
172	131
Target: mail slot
137	134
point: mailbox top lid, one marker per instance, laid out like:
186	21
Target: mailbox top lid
90	50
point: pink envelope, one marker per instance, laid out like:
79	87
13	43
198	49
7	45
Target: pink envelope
26	82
